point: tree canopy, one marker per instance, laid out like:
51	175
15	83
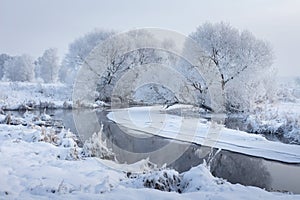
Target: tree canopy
241	58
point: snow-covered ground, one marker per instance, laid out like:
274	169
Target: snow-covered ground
154	120
16	95
36	163
282	119
25	95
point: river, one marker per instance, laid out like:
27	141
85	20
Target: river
232	166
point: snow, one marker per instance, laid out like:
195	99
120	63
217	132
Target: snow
2	118
37	163
16	95
280	118
154	120
26	95
41	163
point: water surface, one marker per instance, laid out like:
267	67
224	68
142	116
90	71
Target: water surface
130	146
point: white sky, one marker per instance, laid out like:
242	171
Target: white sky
31	26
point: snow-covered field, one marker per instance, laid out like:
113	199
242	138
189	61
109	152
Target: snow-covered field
36	163
22	95
25	95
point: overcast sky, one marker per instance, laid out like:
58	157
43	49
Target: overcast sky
31	26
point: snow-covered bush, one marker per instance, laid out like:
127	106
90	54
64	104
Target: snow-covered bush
196	179
65	139
163	179
96	147
279	119
289	90
275	123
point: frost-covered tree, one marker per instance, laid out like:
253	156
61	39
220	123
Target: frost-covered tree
122	54
117	56
3	58
241	58
47	66
78	50
126	55
19	68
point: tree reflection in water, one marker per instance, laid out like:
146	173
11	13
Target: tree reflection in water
239	168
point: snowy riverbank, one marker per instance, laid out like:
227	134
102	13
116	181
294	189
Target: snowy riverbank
39	163
35	163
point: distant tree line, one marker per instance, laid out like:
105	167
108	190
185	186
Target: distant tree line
244	62
23	68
